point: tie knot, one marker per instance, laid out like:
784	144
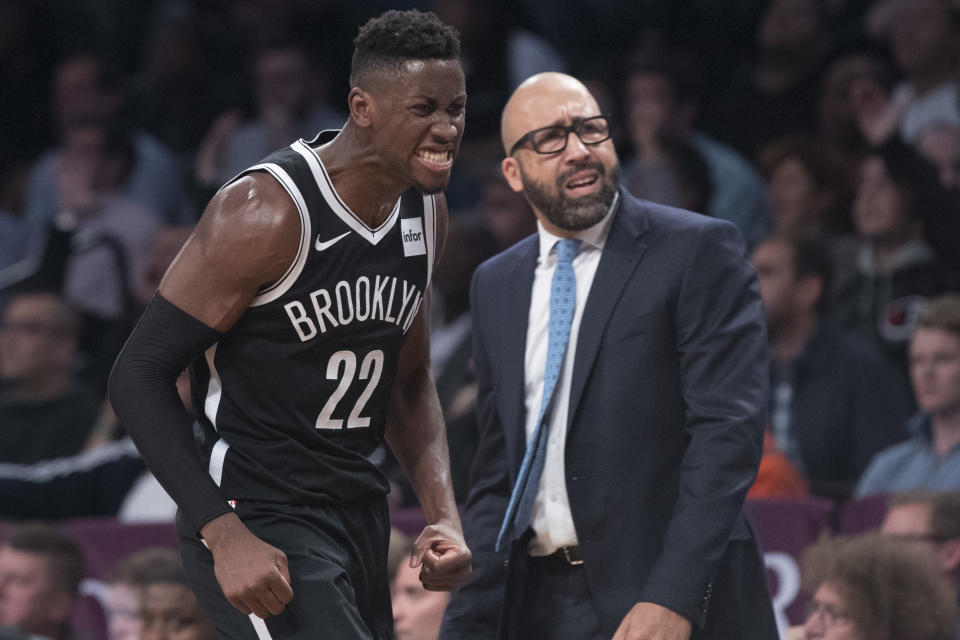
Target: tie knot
567	249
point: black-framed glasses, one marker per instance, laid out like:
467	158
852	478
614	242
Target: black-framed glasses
553	139
828	613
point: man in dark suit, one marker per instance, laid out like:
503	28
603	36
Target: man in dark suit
654	431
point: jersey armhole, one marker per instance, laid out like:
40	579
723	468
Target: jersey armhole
272	291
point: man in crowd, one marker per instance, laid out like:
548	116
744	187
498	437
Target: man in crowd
40	573
930	459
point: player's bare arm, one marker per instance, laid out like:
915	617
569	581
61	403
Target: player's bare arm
247	237
417	436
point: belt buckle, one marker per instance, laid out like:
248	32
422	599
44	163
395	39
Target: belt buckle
569	558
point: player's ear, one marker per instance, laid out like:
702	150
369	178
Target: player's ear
361	106
511	171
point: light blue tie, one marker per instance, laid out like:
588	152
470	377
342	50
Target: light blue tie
563	300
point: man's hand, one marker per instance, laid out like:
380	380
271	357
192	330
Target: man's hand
443	557
252	573
649	621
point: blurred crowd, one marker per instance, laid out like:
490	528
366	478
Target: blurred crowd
828	131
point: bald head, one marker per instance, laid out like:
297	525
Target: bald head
542	100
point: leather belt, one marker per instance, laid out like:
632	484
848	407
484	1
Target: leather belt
568	555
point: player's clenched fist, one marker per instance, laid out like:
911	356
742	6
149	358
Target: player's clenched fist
252	573
443	557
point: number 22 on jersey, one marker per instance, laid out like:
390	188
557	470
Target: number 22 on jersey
342	366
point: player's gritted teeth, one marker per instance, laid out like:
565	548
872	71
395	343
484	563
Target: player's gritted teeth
440	161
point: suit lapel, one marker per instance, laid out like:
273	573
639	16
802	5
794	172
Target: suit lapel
514	310
621	255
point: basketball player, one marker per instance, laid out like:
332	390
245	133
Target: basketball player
300	300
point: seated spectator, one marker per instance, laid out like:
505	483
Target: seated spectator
168	608
873	587
40	573
86	90
124	590
835	401
930	459
807	191
896	269
112	232
931	519
853	80
417	613
661	105
924	43
289	103
45	411
776	92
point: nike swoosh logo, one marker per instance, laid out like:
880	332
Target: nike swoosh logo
323	246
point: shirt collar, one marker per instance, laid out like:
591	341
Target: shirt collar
921	427
595	236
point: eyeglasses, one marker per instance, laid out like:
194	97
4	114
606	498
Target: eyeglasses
828	612
553	139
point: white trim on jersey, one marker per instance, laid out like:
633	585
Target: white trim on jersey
337	205
211	404
260	627
217	457
430	231
281	286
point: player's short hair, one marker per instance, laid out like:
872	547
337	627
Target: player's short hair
387	41
63	554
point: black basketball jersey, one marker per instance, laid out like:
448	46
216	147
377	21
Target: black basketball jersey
293	399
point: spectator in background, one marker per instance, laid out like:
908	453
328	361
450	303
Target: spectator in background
417	613
168	608
851	81
877	588
179	90
45	412
931	458
290	104
931	519
896	269
125	590
40	573
87	91
504	213
835	401
776	94
112	232
807	190
810	195
661	106
925	42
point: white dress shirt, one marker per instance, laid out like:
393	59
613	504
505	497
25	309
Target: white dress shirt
552	521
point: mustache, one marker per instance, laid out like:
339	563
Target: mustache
596	166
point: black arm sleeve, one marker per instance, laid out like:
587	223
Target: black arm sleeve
143	393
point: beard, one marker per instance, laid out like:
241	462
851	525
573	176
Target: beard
573	214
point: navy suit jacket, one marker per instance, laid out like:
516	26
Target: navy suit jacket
666	419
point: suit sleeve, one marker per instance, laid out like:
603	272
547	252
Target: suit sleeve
722	344
474	611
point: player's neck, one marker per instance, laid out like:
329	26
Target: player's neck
359	177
